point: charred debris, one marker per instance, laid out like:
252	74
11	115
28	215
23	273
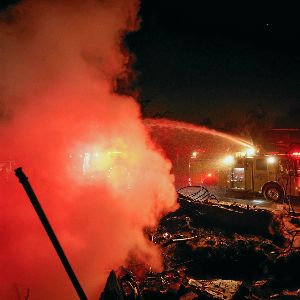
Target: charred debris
216	250
210	249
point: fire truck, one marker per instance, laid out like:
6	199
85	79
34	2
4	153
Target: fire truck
274	175
205	169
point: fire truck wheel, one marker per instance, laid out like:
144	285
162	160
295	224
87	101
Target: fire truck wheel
273	192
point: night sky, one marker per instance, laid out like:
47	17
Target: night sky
213	64
216	63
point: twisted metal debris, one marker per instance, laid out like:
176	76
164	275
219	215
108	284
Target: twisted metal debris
196	194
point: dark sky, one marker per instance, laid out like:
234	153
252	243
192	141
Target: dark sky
218	59
199	59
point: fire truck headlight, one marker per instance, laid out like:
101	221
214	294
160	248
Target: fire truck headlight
250	152
228	160
271	160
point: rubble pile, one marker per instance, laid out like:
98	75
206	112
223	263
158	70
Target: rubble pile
218	250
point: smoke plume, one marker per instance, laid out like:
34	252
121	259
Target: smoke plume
85	150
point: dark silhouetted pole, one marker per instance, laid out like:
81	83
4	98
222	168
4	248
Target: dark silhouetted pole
60	252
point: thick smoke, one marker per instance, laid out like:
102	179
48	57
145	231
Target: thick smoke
85	150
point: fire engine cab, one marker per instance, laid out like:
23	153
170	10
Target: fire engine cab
274	175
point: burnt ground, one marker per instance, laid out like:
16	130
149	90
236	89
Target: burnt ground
218	250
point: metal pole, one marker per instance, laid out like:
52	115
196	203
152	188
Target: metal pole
34	201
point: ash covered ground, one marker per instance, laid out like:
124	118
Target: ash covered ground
217	250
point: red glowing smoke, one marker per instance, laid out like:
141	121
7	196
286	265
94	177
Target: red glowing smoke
85	149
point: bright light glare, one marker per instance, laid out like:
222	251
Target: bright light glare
194	154
271	160
250	152
228	160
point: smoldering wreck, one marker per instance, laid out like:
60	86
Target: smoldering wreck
214	249
211	250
